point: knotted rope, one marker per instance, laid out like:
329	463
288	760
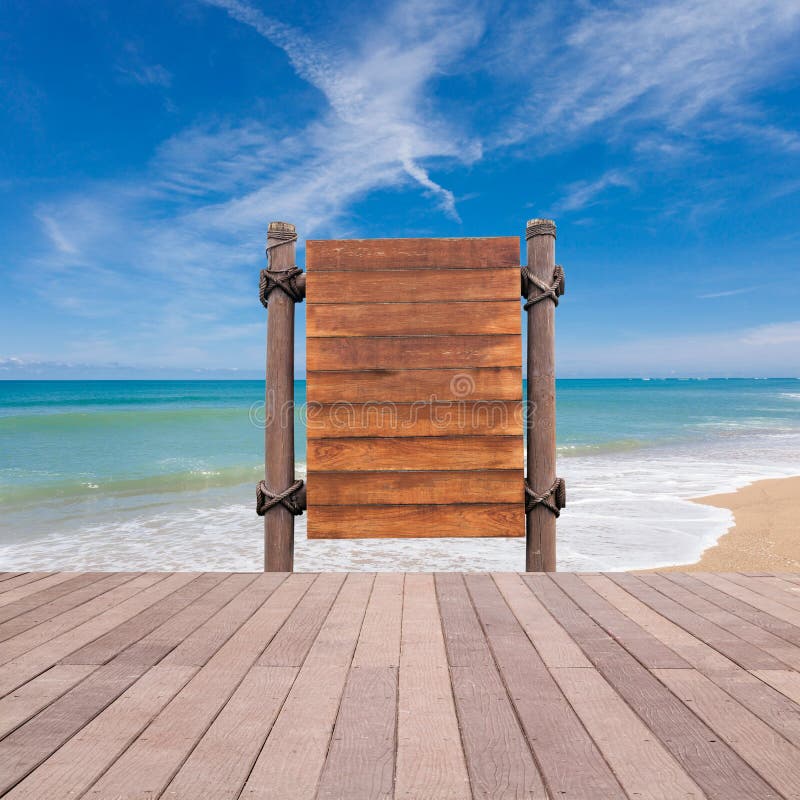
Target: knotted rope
267	499
283	279
552	291
554	499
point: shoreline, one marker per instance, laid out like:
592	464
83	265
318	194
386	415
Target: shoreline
765	534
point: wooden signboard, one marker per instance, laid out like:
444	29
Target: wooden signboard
414	388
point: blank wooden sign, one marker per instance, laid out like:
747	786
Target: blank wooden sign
414	388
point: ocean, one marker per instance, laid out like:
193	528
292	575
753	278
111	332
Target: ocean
161	475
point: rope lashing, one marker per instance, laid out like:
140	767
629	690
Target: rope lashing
540	227
267	499
283	279
554	499
552	291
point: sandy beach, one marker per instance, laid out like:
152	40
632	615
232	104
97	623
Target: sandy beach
766	531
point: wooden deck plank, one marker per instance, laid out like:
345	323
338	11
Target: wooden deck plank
744	610
67	620
360	761
634	754
291	644
29	745
57	605
786	681
197	648
87	699
102	649
399	687
379	641
59	586
717	769
643	646
153	759
291	761
782	650
82	759
30	699
752	693
553	644
767	587
218	767
499	760
28	583
743	653
554	731
747	595
765	750
430	760
151	648
22	669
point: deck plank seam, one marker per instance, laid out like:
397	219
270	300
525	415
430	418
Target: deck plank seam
133	740
728	625
164	601
734	699
741	762
34	647
346	679
260	750
397	693
436	594
767	620
76	607
143	670
234	689
621	579
536	759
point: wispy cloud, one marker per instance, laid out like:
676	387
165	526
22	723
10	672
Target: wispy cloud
376	94
132	66
673	62
581	194
172	248
779	333
728	293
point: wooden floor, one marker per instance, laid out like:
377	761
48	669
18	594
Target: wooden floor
597	686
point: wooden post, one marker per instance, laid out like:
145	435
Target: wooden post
540	530
279	425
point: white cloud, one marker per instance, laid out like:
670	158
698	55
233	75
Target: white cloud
581	194
174	251
690	66
59	239
728	293
776	334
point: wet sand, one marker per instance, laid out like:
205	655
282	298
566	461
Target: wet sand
766	533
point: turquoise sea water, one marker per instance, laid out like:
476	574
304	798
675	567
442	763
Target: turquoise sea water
97	472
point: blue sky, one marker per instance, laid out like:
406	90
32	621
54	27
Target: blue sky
145	146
